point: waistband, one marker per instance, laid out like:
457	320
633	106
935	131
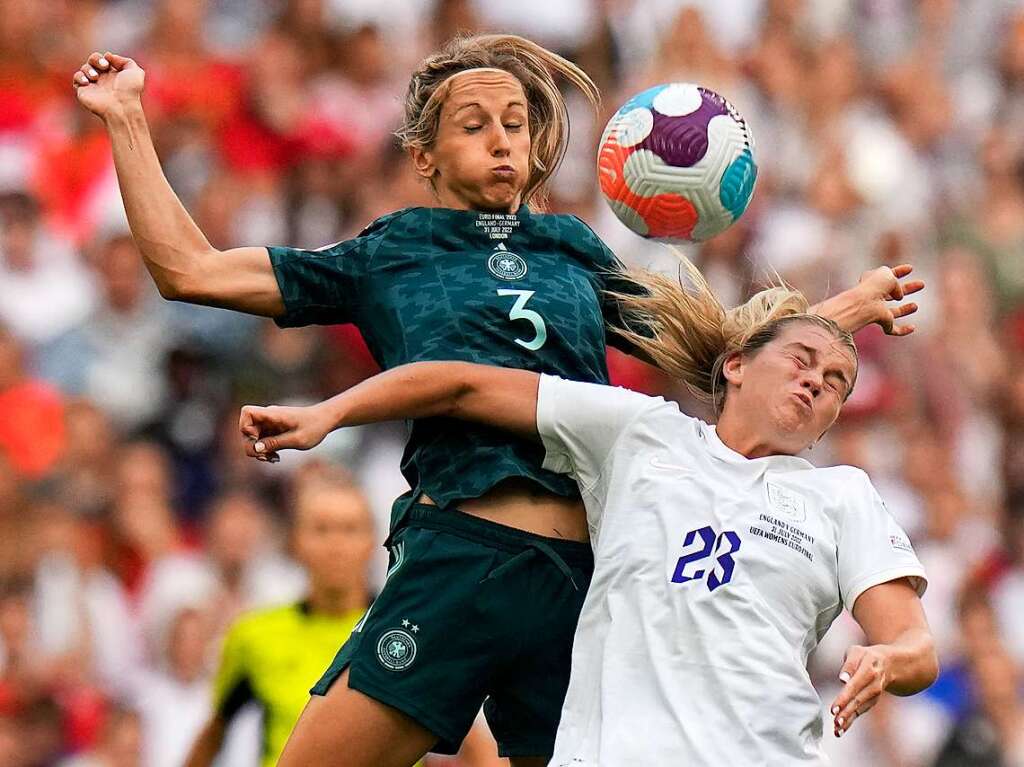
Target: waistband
498	536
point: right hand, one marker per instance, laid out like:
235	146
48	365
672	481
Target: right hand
882	287
270	429
108	83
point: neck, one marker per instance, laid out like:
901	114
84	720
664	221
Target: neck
736	434
332	600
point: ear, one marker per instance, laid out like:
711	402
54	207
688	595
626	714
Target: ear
423	162
733	368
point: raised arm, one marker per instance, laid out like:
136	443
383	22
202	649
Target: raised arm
183	264
875	299
499	397
899	657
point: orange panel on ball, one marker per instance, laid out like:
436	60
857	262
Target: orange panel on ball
666	215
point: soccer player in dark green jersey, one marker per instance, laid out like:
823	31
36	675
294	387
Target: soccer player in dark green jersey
490	561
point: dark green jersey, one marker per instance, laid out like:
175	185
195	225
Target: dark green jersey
517	290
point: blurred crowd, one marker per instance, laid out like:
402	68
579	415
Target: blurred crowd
132	527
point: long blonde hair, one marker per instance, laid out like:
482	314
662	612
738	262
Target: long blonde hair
682	327
531	64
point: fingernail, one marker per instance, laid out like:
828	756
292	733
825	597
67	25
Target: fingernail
844	676
93	72
835	710
275	458
840	720
103	62
260	447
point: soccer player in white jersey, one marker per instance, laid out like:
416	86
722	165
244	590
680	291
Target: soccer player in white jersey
722	557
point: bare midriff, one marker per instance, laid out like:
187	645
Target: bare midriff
526	506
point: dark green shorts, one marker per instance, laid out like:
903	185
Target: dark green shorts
472	611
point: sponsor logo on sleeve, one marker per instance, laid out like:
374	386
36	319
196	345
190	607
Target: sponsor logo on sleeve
900	543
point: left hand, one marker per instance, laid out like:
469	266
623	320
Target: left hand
865	673
882	286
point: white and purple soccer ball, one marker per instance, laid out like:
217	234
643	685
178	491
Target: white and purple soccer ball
676	162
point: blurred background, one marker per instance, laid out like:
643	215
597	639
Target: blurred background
132	527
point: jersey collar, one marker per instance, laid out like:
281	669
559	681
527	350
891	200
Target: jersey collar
725	453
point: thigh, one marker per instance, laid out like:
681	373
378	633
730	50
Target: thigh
525	701
346	728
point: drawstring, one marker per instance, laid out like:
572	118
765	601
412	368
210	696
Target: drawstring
551	554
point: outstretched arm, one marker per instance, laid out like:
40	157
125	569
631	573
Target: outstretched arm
183	264
899	657
874	300
499	397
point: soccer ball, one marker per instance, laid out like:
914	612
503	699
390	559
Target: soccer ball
676	162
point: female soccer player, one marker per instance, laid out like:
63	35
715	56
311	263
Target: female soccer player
721	557
485	279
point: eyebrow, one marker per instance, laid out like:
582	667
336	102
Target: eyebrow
477	104
814	354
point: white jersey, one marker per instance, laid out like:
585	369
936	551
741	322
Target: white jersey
715	576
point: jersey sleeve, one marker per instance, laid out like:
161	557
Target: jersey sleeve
580	423
873	548
324	286
232	688
613	277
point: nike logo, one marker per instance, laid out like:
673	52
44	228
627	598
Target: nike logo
670	466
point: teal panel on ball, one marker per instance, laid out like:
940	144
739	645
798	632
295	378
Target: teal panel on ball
737	185
643	99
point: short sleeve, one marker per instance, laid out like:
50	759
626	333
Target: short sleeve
324	286
580	424
613	278
873	548
231	686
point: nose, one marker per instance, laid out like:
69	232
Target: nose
501	146
812	381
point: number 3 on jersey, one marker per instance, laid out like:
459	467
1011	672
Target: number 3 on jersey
520	312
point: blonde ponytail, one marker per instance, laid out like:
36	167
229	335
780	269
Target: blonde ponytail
682	327
533	65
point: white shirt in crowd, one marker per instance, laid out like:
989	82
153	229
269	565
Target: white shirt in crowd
715	576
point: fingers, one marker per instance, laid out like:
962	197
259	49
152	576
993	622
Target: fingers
902	330
261	455
904	310
902	270
862	687
247	422
912	287
98	61
119	62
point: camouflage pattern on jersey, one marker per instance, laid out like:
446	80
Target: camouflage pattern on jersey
519	290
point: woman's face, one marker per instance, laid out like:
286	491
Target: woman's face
480	159
793	388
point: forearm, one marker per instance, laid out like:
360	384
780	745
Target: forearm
846	309
498	397
167	237
913	664
207	745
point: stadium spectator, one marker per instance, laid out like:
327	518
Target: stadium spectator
885	132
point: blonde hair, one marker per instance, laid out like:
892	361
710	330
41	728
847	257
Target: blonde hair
531	64
687	333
